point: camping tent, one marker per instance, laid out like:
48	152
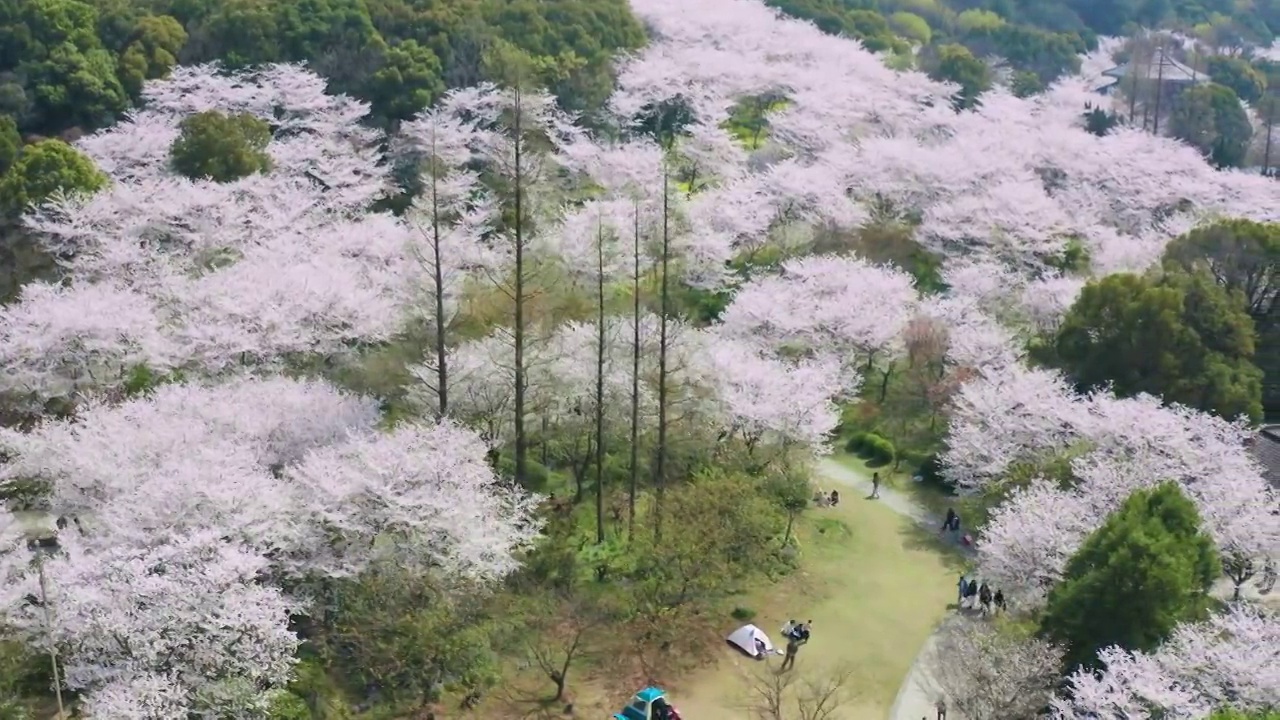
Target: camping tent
745	638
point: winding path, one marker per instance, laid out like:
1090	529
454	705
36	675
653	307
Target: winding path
915	699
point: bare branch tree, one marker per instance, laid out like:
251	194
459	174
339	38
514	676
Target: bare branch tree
984	672
567	634
796	695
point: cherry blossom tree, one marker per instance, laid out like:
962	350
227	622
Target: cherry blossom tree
308	274
190	516
427	486
1002	675
767	400
1231	660
56	340
183	625
1031	418
829	306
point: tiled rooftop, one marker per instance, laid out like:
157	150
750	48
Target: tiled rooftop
1266	448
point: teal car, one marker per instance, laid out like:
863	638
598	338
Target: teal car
649	704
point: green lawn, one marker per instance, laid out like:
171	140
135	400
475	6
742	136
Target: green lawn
874	587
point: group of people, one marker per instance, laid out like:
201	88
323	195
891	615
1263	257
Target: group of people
797	634
976	594
824	499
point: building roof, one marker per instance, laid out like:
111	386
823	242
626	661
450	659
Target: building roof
1266	450
1161	67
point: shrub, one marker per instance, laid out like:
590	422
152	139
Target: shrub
857	443
743	614
287	706
538	475
878	449
221	147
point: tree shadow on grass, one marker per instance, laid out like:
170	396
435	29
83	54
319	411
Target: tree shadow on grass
958	558
527	703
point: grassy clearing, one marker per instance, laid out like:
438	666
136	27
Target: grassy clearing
874	586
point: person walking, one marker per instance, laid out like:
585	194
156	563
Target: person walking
984	597
875	485
941	707
946	523
962	588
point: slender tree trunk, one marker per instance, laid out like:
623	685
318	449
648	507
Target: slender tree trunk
660	462
522	449
542	444
600	342
1133	89
1271	121
1159	90
442	372
635	382
53	652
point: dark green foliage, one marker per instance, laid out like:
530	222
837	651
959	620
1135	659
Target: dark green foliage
955	63
73	63
10	142
1237	74
1148	568
415	641
1243	257
1177	336
536	476
743	614
222	148
1099	121
1211	118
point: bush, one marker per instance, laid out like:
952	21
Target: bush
857	443
743	614
538	473
287	706
878	449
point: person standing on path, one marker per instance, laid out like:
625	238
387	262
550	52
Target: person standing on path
962	587
942	709
875	485
788	662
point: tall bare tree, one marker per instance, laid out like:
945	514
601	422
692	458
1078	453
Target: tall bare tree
635	374
600	362
660	458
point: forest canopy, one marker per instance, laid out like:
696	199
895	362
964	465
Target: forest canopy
68	64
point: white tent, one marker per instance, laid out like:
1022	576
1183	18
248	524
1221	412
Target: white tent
745	638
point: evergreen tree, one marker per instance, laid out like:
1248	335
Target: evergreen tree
1148	568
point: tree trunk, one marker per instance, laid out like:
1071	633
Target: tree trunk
884	382
600	342
442	372
522	450
635	383
660	461
1159	90
1271	121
